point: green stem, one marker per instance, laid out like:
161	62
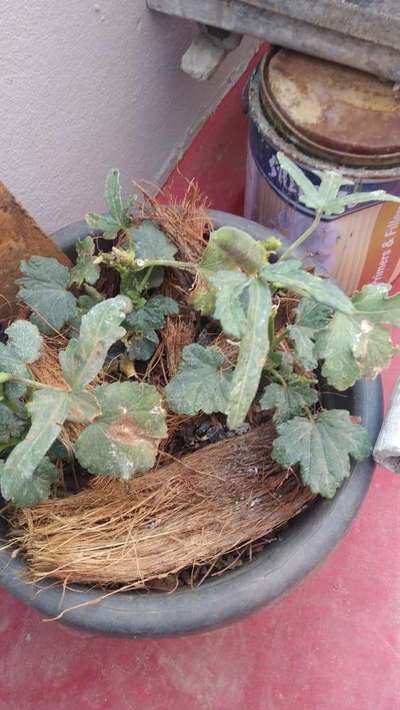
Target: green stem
299	241
93	292
145	279
166	262
278	376
33	383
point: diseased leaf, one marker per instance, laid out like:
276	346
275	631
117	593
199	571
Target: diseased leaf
322	447
357	346
152	315
48	410
105	224
232	249
302	338
23	347
143	347
124	440
288	401
85	269
27	492
335	346
151	242
372	350
24	341
11	425
253	351
83	407
114	198
200	383
229	306
290	274
43	289
100	328
374	304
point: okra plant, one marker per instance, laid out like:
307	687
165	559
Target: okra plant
236	283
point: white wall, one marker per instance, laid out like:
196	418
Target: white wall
85	86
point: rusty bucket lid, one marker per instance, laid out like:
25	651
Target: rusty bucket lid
331	110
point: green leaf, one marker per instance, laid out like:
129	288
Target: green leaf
374	303
85	269
200	383
253	351
302	338
143	347
231	249
312	314
103	223
123	441
11	425
335	346
131	281
114	198
25	493
100	328
83	407
322	447
23	347
326	197
152	315
288	400
48	410
291	275
43	289
151	242
229	307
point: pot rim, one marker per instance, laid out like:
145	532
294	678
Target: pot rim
301	546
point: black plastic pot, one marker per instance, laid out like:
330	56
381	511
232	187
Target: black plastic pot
305	542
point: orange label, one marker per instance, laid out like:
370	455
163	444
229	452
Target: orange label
383	254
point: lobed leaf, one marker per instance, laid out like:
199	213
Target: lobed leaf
100	328
43	289
143	347
85	269
48	410
311	314
291	275
123	441
326	197
25	493
253	351
23	347
200	383
105	224
152	316
288	400
374	303
12	426
151	242
322	447
229	306
302	338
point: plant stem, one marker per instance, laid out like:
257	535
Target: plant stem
145	279
278	376
34	384
93	292
166	262
299	241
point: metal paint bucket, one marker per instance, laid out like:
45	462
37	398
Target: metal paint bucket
325	116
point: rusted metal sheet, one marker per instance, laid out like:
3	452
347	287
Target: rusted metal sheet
360	33
20	238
